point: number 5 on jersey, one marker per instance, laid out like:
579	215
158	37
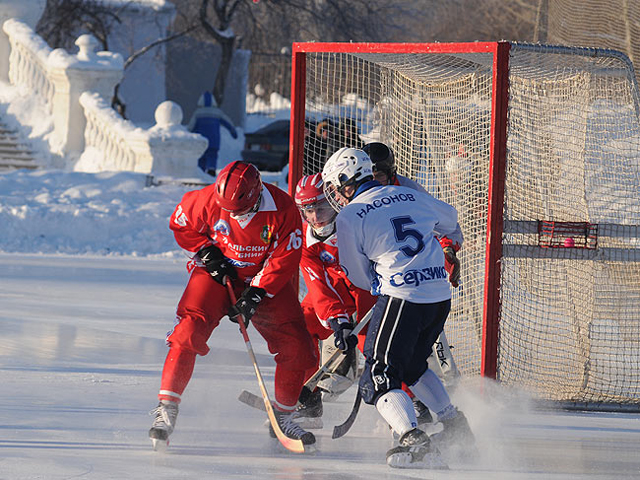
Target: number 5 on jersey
403	233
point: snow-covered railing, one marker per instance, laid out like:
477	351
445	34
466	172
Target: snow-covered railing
87	132
112	143
28	61
58	78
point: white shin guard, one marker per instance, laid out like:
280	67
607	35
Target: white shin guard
396	408
430	391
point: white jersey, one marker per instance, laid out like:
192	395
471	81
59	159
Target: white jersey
456	236
388	245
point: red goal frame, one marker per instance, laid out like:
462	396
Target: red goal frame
499	105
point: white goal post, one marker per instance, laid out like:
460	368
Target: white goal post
538	148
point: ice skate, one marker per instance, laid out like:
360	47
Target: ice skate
309	413
292	430
415	451
456	438
164	422
422	412
456	430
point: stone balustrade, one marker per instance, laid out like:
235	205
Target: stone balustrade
76	91
112	143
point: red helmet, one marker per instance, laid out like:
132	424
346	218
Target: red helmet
309	190
238	187
314	206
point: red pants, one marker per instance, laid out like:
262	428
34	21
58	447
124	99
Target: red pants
279	320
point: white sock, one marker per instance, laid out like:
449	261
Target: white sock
430	391
396	408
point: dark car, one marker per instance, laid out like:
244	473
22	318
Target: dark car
268	147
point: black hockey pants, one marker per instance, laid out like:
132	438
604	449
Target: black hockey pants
399	341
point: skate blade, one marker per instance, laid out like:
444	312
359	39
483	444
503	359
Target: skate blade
310	449
281	449
310	423
430	461
159	445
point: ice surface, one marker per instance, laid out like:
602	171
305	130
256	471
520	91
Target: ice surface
82	350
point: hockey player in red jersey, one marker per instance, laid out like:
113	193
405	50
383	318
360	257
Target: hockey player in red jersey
251	233
330	294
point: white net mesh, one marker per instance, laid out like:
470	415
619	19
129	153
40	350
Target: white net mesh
573	156
591	23
434	113
570	322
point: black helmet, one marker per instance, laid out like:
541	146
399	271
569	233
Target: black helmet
382	158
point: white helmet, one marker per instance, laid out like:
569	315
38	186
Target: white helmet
348	166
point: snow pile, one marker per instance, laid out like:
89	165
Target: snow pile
81	213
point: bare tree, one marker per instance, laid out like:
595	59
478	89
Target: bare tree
222	33
62	19
470	20
270	26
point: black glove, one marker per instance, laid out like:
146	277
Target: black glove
344	339
247	304
217	264
452	265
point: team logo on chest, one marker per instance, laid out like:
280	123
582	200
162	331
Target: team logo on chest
326	257
222	226
267	232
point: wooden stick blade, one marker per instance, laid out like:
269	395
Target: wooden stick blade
291	444
252	400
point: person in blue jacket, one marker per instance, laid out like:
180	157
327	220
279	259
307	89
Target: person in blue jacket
206	121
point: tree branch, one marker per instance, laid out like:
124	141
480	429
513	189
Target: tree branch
155	43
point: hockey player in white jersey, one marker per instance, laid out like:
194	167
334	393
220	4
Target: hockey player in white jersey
387	238
441	359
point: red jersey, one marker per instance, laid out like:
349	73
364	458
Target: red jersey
329	290
264	246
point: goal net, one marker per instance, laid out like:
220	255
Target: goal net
538	148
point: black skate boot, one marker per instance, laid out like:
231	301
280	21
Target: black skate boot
422	412
457	439
415	450
309	413
456	430
291	429
164	422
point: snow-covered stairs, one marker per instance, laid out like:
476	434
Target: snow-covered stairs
14	153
